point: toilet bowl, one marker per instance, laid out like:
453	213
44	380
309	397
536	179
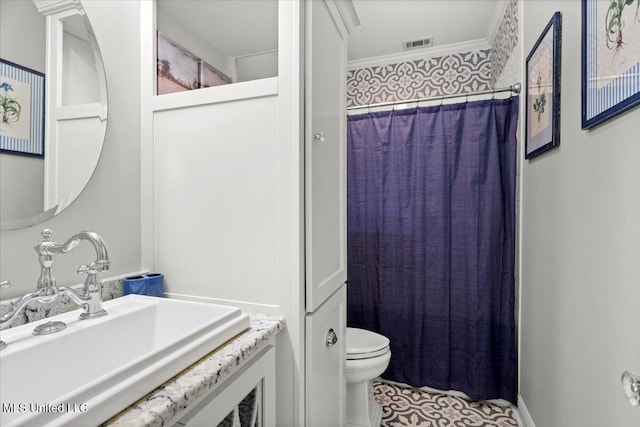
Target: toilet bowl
368	356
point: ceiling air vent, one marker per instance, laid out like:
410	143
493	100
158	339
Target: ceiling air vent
414	44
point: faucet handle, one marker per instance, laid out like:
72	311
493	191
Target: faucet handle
5	284
43	247
88	269
92	285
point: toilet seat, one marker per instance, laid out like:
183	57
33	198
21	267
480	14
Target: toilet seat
363	344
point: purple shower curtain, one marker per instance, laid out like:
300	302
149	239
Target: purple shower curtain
431	242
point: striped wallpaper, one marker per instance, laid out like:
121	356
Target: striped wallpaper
30	142
604	93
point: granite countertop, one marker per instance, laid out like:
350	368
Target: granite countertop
163	403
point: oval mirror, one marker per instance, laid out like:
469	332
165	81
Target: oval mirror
53	105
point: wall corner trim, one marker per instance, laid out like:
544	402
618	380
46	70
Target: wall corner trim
349	14
522	415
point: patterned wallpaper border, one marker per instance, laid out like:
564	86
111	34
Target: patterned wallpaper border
429	77
505	40
446	74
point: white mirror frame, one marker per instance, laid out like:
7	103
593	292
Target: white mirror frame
66	178
68	167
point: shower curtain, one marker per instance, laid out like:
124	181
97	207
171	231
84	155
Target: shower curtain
431	242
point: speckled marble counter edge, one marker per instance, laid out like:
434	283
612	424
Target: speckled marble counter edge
34	311
161	405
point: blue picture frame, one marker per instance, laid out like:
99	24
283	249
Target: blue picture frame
542	95
610	59
22	94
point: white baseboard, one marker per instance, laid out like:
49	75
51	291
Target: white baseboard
522	415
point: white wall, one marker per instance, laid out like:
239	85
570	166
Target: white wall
580	275
21	186
23	33
80	75
21	177
217	231
110	204
257	66
80	142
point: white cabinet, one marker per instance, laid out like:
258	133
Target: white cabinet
246	399
261	166
325	213
325	152
325	377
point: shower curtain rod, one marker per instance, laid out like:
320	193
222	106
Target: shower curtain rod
515	88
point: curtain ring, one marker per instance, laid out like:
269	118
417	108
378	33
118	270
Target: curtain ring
493	94
466	99
442	100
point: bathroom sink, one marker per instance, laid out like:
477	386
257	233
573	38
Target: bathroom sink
94	368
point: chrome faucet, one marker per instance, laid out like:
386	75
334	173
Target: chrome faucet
47	291
92	290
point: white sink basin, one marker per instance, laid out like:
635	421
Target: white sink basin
94	368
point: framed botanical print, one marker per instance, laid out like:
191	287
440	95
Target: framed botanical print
610	59
543	90
21	110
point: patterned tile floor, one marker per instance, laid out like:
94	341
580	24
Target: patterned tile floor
403	407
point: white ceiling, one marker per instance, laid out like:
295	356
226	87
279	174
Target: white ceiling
232	27
241	27
385	24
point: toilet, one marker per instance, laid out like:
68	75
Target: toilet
368	356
